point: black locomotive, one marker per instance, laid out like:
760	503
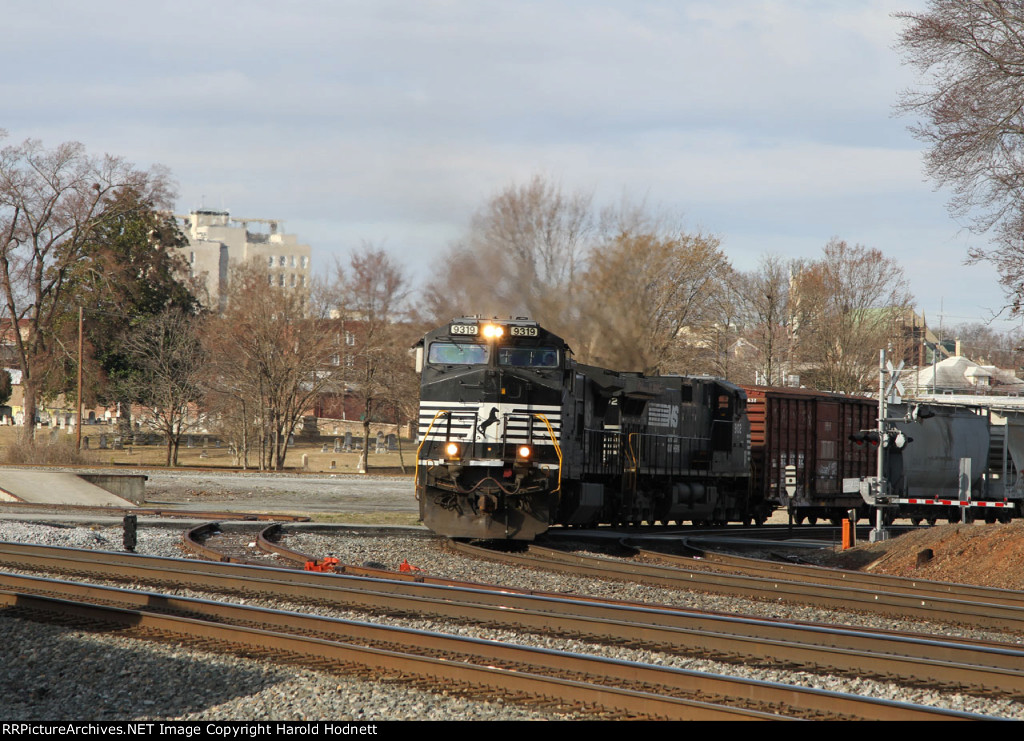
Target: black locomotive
515	436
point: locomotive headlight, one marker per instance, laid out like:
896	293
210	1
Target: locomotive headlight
493	331
524	451
452	449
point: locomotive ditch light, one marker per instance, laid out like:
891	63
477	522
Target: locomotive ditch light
523	452
452	450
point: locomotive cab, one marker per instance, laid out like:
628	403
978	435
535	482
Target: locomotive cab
489	458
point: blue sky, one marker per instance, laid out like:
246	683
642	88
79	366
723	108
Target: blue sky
768	124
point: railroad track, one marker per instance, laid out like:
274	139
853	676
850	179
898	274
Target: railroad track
922	588
241	546
890	596
168	512
473	667
980	668
585	684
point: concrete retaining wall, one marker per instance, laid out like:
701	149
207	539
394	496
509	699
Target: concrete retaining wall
130	486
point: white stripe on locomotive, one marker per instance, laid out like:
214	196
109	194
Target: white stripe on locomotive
490	417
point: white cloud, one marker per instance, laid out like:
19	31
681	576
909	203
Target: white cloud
767	122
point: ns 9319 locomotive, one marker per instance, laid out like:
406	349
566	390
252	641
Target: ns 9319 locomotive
515	436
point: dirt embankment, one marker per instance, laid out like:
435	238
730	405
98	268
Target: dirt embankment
988	555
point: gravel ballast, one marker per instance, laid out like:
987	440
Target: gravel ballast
132	679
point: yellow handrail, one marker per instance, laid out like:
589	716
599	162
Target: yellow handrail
558	449
632	454
416	476
631	472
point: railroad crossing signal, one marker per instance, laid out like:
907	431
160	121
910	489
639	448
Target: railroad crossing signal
894	390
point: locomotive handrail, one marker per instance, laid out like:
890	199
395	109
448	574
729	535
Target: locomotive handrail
630	473
558	449
633	457
449	413
416	476
551	434
636	454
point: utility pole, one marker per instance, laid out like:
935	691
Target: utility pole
78	425
880	533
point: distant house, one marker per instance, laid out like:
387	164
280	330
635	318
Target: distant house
959	375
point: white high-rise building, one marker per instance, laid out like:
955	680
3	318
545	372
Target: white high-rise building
217	241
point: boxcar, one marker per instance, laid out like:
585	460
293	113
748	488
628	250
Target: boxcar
810	430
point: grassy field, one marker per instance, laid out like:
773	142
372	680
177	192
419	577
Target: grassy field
57	446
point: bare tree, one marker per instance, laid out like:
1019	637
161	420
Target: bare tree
971	59
719	336
269	349
230	411
169	360
377	370
463	283
52	202
764	299
523	254
845	308
652	299
988	346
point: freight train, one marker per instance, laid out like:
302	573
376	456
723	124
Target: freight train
516	436
832	442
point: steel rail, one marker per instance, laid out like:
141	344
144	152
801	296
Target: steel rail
438	672
711	687
267	541
218	515
960	665
156	512
194	541
895	604
839	577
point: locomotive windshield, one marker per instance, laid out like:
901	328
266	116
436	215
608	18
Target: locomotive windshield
458	353
528	357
